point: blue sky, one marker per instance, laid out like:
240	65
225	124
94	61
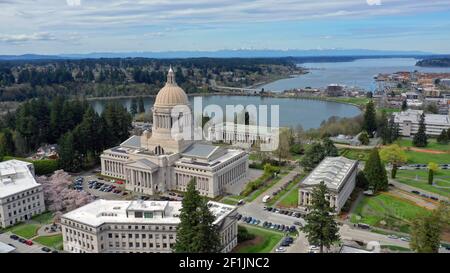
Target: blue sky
83	26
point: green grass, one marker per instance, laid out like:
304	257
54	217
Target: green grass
389	110
229	201
269	240
408	177
396	248
425	158
355	154
54	241
432	144
44	218
357	101
26	231
397	213
290	200
291	185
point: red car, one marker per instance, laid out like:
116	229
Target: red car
120	182
29	242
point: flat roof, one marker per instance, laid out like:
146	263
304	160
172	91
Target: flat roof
414	117
5	248
332	170
15	177
115	211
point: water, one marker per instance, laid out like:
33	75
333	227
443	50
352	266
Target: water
358	73
293	111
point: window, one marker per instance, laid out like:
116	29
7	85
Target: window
148	214
109	235
138	214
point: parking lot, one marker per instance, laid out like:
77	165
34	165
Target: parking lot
21	247
101	187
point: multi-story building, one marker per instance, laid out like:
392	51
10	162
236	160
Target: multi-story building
408	122
159	161
232	133
338	174
107	226
21	197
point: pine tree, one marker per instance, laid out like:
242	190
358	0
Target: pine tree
375	172
133	108
369	124
329	148
69	159
420	138
141	107
383	129
320	228
426	231
404	105
443	138
196	232
313	155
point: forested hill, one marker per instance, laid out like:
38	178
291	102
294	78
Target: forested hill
24	79
435	62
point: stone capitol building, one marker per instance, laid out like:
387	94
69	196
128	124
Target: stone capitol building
157	162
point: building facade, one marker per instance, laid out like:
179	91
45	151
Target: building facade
107	226
338	174
160	161
21	197
408	122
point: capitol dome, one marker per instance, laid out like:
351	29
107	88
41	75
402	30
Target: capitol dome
171	94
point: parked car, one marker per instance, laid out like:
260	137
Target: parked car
391	236
14	237
241	202
22	240
280	249
405	239
46	249
297	223
29	242
434	198
238	216
415	192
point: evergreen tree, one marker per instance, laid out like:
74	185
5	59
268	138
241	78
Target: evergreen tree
443	138
141	107
375	172
7	142
68	157
320	228
383	129
404	105
364	138
329	148
313	155
361	181
420	138
133	108
196	232
426	231
369	124
394	129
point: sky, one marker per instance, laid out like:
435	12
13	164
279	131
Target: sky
85	26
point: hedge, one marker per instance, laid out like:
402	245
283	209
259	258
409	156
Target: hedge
41	167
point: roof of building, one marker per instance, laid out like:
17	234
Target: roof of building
143	163
115	211
5	248
332	170
200	150
171	94
132	142
15	177
414	117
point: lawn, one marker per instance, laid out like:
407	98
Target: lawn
386	211
355	154
54	241
264	241
432	144
419	179
357	101
290	200
44	218
291	185
229	201
425	158
25	230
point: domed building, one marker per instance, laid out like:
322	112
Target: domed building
167	158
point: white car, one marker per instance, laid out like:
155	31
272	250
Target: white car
313	247
406	239
280	249
391	236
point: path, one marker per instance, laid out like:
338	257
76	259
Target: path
288	177
410	188
294	188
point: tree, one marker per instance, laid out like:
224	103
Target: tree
420	138
141	107
6	142
364	138
196	232
426	230
320	228
383	129
369	124
404	105
443	138
284	142
361	181
313	155
432	168
69	159
329	148
375	172
394	129
133	108
394	155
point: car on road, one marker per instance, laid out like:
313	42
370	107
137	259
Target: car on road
424	195
285	243
392	236
298	223
405	239
14	237
238	216
29	242
55	251
434	198
415	192
280	249
241	202
46	249
244	219
22	240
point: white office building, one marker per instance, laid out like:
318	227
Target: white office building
408	122
107	226
338	174
21	197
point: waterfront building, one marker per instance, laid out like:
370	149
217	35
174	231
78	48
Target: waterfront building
110	226
408	122
21	197
157	162
338	174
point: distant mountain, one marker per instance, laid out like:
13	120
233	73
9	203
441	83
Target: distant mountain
238	53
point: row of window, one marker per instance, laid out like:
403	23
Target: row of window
141	236
22	202
23	194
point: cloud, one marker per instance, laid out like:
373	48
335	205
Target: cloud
73	3
374	2
20	38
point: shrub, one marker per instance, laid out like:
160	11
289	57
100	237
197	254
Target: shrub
244	235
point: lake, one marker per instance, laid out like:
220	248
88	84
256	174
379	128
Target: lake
358	73
293	111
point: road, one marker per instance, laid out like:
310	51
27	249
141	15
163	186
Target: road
21	248
409	189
